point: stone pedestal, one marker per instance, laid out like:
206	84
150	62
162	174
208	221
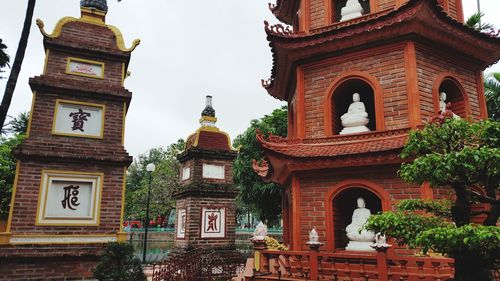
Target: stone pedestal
359	246
354	130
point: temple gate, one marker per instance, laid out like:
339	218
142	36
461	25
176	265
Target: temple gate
68	195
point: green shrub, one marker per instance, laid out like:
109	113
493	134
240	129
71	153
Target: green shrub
118	263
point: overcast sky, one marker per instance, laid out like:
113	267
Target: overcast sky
188	49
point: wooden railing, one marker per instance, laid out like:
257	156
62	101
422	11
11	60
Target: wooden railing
313	265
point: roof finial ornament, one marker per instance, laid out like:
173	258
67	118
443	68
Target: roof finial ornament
209	110
95	4
208	118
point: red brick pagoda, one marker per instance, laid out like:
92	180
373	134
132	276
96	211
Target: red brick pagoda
357	76
69	190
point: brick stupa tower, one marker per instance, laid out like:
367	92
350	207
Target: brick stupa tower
68	194
206	208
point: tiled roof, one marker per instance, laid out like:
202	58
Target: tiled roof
209	140
339	145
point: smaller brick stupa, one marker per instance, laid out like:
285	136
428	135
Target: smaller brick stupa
206	207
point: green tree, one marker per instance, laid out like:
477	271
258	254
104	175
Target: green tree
492	93
18	60
464	157
264	198
7	172
164	181
474	21
118	263
8	162
18	124
4	57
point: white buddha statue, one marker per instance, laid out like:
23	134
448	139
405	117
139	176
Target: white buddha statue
442	104
359	241
356	118
351	10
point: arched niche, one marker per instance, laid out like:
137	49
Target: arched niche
339	97
340	203
344	204
455	93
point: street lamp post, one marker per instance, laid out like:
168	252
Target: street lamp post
150	168
479	11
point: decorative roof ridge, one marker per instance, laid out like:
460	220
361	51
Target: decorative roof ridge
274	7
120	44
284	13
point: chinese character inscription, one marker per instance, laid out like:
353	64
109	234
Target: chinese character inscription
79	119
212	222
70	197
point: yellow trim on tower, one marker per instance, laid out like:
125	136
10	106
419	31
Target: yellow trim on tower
69	60
123	74
13	197
5	238
59	26
208	118
30	119
121	235
124	119
56	110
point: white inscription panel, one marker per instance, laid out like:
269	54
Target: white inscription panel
211	171
85	68
68	198
213	223
186	173
78	119
181	223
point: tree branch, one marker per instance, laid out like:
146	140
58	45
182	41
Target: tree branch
484	199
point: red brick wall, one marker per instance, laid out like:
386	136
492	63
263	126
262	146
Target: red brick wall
28	187
387	66
89	35
385	4
48	262
452	8
430	64
317	13
57	62
315	187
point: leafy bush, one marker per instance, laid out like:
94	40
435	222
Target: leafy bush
118	263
